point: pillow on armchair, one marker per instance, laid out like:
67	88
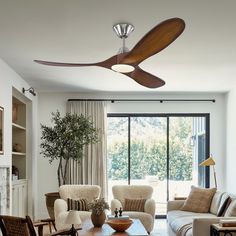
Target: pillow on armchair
199	200
134	204
78	205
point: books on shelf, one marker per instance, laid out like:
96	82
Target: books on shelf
112	217
227	223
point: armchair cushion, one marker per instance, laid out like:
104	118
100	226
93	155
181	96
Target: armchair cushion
134	204
79	205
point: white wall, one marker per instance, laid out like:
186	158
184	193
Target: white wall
8	80
231	142
57	101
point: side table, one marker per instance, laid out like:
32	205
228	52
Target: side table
217	230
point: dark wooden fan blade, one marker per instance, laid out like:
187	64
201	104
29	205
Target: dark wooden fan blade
146	79
52	63
155	40
106	64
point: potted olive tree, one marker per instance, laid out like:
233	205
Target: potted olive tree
65	141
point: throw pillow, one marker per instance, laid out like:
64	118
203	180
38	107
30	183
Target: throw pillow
199	200
224	206
134	204
231	210
79	205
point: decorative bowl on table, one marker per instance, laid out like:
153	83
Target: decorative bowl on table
119	225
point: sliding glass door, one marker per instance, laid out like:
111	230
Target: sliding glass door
159	150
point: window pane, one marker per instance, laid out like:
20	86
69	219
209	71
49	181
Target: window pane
148	160
187	150
117	152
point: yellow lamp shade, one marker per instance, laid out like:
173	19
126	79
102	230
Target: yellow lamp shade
208	162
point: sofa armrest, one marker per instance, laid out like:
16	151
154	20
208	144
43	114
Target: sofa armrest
201	226
150	207
174	205
115	203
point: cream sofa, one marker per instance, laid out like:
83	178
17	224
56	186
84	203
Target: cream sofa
184	223
75	192
120	192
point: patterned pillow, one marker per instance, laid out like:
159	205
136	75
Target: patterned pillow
134	204
79	204
223	208
199	200
231	210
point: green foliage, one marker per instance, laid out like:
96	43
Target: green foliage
148	148
66	139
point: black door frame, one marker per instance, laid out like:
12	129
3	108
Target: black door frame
168	115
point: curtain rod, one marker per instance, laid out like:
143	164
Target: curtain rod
146	100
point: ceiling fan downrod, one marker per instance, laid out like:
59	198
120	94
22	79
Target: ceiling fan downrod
123	30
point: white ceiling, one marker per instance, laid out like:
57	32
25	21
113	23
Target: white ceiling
203	58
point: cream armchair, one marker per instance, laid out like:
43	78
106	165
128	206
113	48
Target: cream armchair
74	192
122	192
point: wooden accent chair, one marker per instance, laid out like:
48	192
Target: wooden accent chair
15	226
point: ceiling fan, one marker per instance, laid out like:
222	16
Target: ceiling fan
127	62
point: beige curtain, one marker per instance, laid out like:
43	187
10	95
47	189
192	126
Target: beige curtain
92	168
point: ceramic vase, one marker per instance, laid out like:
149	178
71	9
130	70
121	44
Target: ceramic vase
98	220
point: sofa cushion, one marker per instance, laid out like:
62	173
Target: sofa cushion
79	205
179	220
199	200
134	204
215	203
231	210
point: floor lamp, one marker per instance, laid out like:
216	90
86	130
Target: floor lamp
210	162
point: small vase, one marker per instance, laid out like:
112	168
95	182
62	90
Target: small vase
98	220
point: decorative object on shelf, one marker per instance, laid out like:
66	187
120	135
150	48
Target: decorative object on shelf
15	173
1	130
80	131
98	207
210	162
31	90
17	147
119	225
14	112
73	218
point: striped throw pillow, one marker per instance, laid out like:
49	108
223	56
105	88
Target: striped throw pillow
134	204
78	205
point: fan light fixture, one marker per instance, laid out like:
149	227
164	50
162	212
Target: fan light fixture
122	68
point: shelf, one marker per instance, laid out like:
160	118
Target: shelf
19	153
19	181
14	125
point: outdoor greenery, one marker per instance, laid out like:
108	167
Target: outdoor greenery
148	148
66	140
